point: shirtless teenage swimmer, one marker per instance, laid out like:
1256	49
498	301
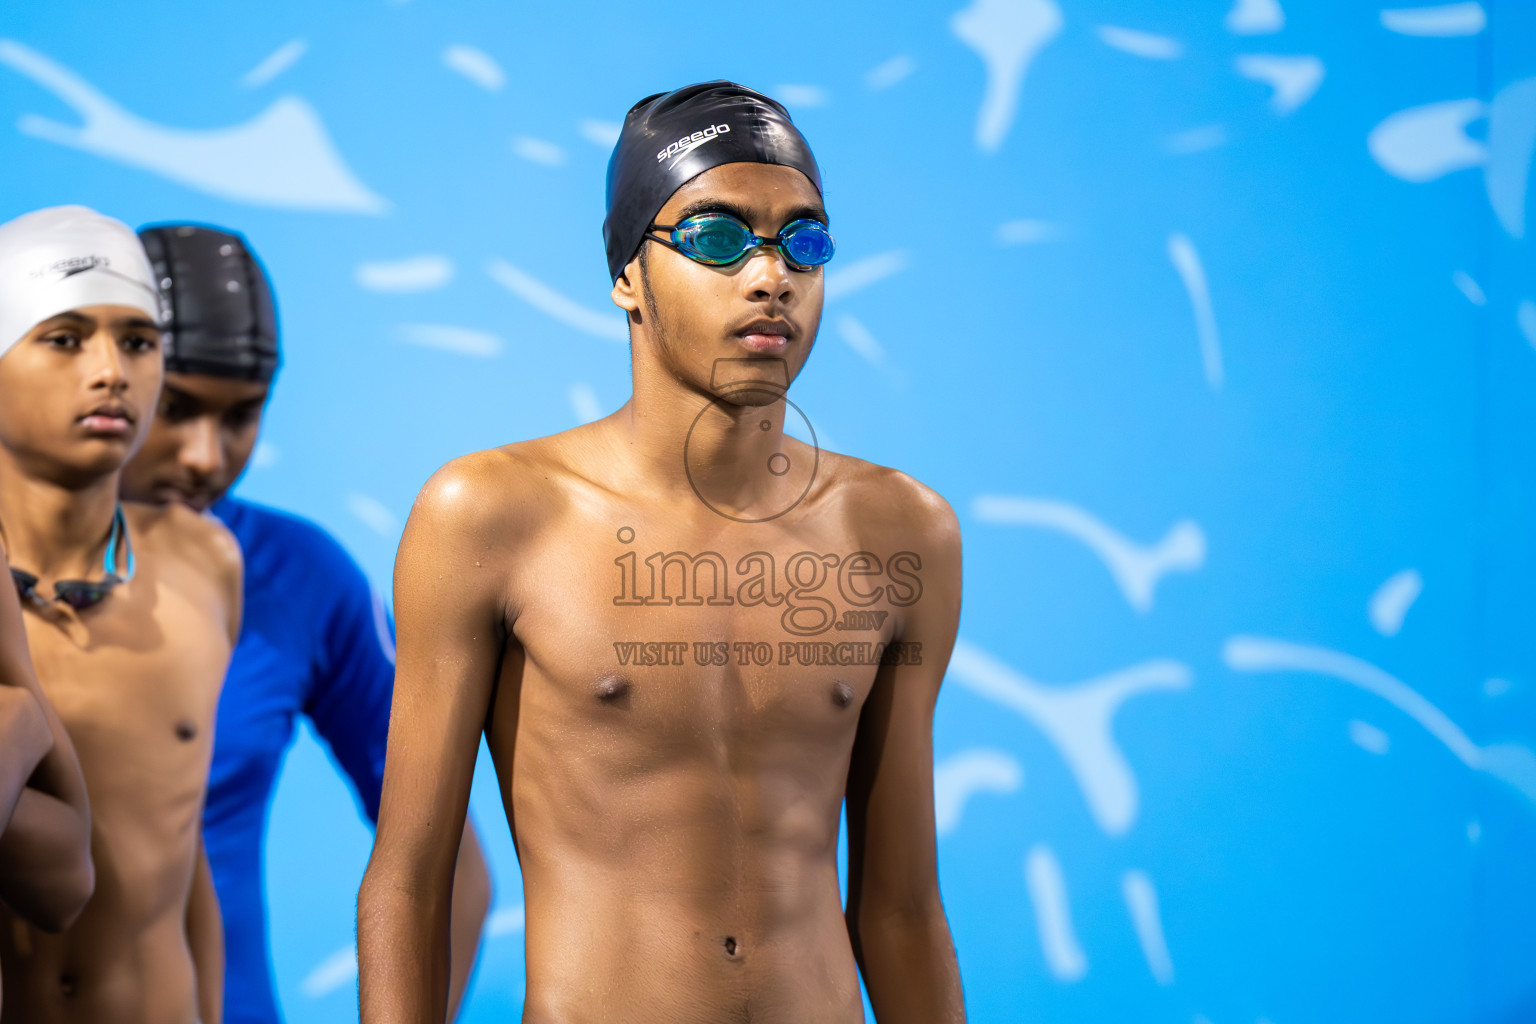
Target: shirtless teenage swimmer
131	613
688	638
315	640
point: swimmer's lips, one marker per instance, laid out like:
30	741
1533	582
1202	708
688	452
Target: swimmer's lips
766	337
109	420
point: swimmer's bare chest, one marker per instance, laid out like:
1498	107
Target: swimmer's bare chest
136	683
688	696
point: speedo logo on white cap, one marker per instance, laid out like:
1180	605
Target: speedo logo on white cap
69	266
688	143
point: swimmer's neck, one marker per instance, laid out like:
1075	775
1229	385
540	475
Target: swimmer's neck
56	528
665	414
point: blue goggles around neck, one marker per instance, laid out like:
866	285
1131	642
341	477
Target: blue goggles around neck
83	594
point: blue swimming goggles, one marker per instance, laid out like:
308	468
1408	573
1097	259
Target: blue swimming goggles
719	240
83	594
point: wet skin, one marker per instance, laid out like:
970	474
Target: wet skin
676	822
135	679
204	432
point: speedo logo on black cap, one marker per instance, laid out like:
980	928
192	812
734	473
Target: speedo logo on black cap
689	143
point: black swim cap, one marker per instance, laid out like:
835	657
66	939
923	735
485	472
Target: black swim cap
221	318
673	137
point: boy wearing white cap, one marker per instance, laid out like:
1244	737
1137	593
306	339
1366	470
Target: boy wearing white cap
131	615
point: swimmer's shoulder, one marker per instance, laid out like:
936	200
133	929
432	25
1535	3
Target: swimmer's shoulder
498	494
898	509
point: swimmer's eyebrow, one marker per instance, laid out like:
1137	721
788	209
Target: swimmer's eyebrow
815	212
699	206
71	317
741	213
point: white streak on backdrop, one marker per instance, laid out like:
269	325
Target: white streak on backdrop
961	776
505	921
1053	915
1255	17
538	151
1425	142
372	513
883	76
584	402
1511	763
1186	260
281	158
1293	79
1468	287
1141	901
860	274
860	340
801	95
1368	737
476	65
1026	232
464	341
1195	140
1511	144
330	974
1136	568
607	326
1466	19
412	274
1078	719
278	61
1525	319
1007	35
1140	44
600	133
1390	602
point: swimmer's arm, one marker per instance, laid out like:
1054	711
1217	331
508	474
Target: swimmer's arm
451	619
471	903
25	738
24	742
349	706
46	875
895	915
205	936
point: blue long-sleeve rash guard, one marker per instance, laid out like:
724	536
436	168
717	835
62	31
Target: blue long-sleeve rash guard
315	640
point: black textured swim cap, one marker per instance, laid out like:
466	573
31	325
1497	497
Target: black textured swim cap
673	137
222	321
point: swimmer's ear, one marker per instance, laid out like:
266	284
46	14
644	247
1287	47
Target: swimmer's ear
626	289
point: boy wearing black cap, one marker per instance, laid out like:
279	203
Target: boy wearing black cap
643	616
316	640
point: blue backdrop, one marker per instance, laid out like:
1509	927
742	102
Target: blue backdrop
1215	321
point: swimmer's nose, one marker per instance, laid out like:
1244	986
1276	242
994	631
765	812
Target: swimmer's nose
767	278
202	450
107	364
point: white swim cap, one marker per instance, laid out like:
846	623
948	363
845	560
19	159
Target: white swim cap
65	257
